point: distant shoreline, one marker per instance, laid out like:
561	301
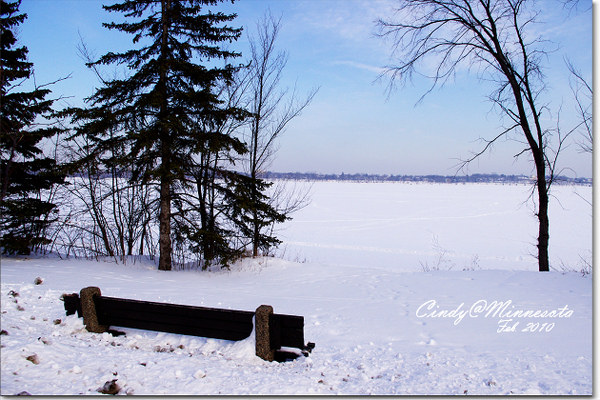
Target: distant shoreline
314	176
474	178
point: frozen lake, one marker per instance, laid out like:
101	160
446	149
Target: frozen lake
446	226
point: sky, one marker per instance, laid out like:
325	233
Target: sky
354	124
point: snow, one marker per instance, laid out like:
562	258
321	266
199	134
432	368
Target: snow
353	264
403	225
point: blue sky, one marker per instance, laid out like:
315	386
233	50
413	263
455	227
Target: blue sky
352	125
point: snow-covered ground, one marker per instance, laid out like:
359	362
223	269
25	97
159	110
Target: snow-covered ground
375	315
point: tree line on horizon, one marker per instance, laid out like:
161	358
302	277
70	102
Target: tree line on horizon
472	178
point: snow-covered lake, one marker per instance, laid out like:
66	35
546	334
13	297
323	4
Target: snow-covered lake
405	226
371	267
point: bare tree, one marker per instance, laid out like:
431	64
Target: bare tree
271	108
494	38
108	214
112	214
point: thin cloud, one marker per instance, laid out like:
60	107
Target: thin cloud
350	20
358	65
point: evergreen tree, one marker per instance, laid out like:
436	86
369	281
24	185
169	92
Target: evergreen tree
24	170
219	220
164	110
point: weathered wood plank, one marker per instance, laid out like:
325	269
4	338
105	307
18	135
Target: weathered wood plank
287	330
72	304
112	315
162	310
175	309
207	332
173	318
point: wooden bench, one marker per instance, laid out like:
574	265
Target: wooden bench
272	331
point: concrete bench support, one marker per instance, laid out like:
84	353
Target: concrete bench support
88	309
262	332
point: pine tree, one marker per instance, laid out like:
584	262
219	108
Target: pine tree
155	112
228	206
24	170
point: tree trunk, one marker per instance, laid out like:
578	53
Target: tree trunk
254	164
164	218
202	187
544	232
536	145
255	221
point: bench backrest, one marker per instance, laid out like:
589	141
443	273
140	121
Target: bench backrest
174	318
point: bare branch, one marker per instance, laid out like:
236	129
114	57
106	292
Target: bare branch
583	94
488	145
